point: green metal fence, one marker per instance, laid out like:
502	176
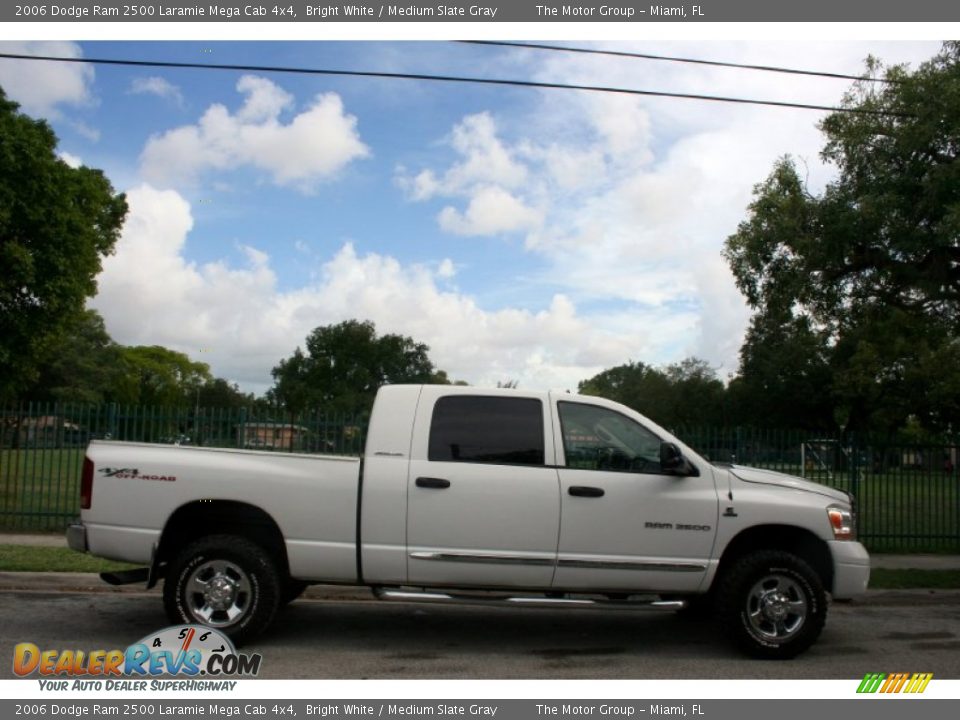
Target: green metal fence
42	446
908	496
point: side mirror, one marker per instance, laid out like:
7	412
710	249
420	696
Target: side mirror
673	461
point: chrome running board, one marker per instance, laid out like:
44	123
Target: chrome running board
643	602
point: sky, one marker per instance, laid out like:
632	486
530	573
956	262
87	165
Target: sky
529	235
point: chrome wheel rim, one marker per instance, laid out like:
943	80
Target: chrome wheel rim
776	608
218	593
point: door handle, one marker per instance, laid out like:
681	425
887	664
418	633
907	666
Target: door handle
436	483
585	491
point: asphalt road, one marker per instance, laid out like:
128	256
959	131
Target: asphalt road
898	632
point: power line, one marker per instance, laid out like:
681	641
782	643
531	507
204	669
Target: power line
669	58
448	78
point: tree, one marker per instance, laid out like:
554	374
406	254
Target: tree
635	385
345	364
864	279
83	365
155	375
56	224
685	393
220	393
699	396
785	375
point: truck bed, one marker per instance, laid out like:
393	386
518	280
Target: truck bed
137	486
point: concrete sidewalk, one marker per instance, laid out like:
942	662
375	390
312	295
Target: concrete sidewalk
886	562
36	540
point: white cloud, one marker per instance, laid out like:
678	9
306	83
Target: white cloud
623	125
446	270
42	87
572	169
314	146
149	293
485	159
491	211
265	100
90	133
487	174
70	159
158	86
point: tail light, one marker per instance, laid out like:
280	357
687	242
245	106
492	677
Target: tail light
86	484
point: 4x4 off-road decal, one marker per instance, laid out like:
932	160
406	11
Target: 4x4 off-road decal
135	474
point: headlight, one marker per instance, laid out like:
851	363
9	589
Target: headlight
841	522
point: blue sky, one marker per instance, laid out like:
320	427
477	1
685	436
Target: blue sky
529	235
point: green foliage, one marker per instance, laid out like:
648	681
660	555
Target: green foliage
221	394
155	375
784	376
345	364
686	393
56	224
82	365
857	290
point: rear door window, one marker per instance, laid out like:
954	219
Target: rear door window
479	429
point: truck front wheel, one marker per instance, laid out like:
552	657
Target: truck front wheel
772	604
225	582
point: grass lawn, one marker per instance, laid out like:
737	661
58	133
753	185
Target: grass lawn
39	489
24	558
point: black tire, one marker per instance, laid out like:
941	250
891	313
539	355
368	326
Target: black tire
226	582
291	590
772	604
699	608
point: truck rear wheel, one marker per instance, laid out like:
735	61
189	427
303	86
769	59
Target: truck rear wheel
225	582
772	604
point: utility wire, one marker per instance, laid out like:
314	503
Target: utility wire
668	58
448	78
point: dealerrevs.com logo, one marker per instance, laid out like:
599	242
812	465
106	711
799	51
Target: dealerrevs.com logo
202	657
894	682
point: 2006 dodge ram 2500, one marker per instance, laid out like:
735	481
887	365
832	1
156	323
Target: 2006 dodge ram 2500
480	495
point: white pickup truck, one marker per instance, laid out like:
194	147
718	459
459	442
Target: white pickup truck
479	495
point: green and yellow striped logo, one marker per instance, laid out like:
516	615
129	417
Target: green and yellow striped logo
895	682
